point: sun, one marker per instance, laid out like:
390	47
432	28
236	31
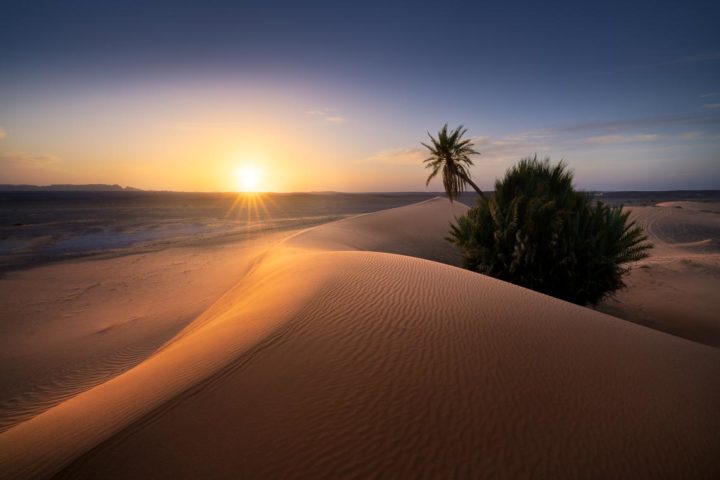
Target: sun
249	178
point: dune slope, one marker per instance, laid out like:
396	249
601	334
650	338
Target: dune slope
328	361
65	328
675	288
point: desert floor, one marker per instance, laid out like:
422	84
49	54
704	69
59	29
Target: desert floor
356	349
676	288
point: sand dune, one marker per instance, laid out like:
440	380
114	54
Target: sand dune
333	358
65	328
675	289
709	207
417	230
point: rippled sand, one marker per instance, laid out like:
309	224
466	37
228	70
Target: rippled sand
339	353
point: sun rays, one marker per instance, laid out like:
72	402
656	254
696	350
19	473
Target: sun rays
250	200
252	206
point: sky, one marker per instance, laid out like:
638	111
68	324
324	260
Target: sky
313	96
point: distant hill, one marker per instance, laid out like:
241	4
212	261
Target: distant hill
96	187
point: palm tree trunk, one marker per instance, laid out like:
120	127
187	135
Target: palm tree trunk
477	189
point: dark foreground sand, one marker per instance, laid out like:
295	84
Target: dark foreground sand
332	358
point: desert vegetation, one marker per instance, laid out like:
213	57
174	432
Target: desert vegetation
539	232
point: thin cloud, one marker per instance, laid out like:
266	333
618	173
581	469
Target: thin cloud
31	160
498	151
697	58
335	119
27	167
697	119
510	147
613	139
711	94
711	106
702	57
399	156
691	136
328	114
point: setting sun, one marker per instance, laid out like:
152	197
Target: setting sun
248	178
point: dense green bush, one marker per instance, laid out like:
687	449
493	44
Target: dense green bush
539	232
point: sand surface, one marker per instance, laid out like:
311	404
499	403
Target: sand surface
67	327
676	288
330	357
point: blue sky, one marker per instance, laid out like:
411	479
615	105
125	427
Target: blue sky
627	94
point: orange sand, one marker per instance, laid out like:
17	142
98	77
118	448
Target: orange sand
331	358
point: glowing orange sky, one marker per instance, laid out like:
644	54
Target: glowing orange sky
194	136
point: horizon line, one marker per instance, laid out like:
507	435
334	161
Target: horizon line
130	189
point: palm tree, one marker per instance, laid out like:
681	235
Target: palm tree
451	153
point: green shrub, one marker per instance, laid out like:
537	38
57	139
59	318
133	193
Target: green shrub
539	232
